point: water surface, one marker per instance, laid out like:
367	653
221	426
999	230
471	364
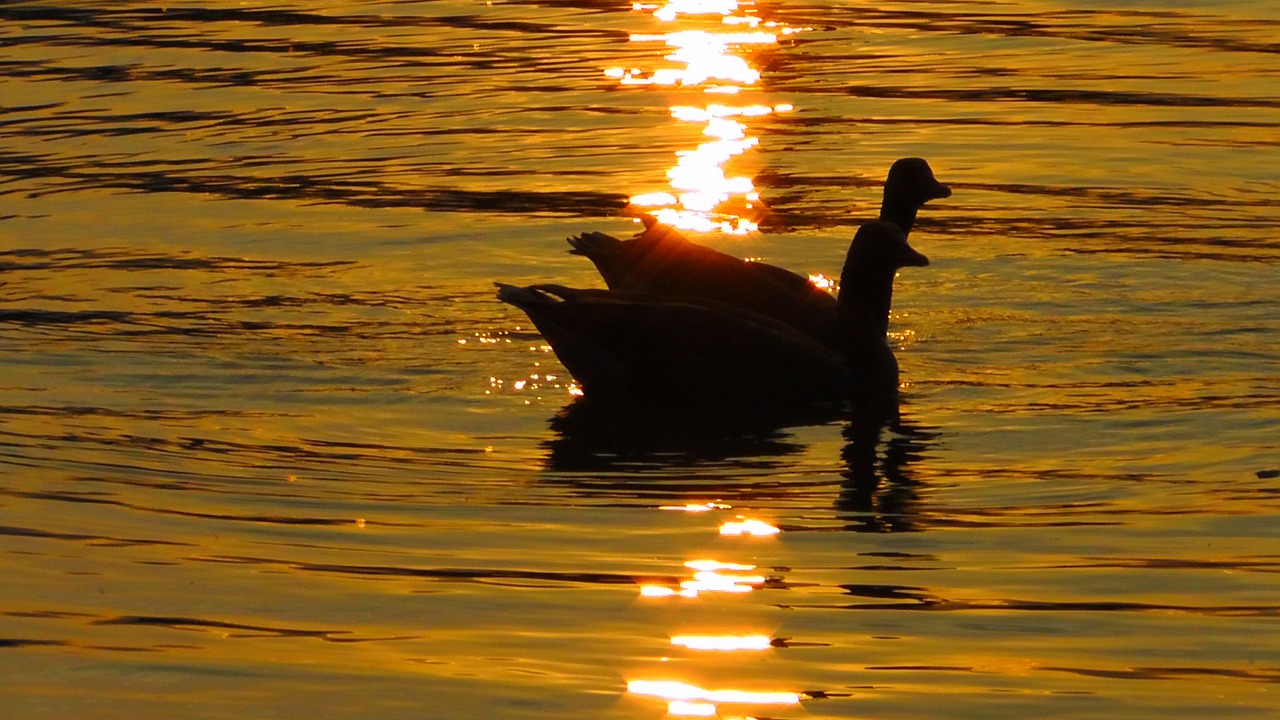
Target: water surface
270	446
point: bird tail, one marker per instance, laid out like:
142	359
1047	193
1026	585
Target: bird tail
521	297
534	295
593	244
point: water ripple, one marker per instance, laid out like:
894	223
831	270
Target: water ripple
254	384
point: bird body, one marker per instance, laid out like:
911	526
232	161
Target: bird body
642	345
661	261
634	345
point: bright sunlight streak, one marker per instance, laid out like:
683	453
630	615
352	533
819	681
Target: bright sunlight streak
710	49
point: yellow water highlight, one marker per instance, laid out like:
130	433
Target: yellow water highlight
683	708
657	591
536	382
824	283
756	528
714	58
723	643
709	576
696	698
696	507
717	566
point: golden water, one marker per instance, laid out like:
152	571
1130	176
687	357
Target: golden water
270	447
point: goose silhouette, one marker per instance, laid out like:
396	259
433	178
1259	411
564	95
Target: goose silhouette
643	346
662	261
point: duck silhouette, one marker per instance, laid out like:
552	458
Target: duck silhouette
644	346
662	261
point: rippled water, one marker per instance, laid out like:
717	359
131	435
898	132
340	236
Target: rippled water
269	444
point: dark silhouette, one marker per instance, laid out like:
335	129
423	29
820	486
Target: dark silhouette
908	187
625	346
662	261
695	356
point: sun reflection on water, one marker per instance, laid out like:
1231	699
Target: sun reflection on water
686	699
723	643
696	507
709	576
749	526
715	58
825	283
689	700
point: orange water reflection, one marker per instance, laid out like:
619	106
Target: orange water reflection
696	507
723	643
711	45
709	576
689	700
749	526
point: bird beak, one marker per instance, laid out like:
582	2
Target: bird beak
911	258
939	192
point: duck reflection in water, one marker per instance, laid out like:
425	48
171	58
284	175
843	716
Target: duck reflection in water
868	457
594	442
599	437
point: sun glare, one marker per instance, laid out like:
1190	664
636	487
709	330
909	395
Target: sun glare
709	48
696	507
756	528
723	643
675	690
709	576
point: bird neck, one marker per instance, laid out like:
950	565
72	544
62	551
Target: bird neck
898	211
865	298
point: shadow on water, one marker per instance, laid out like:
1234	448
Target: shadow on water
877	490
